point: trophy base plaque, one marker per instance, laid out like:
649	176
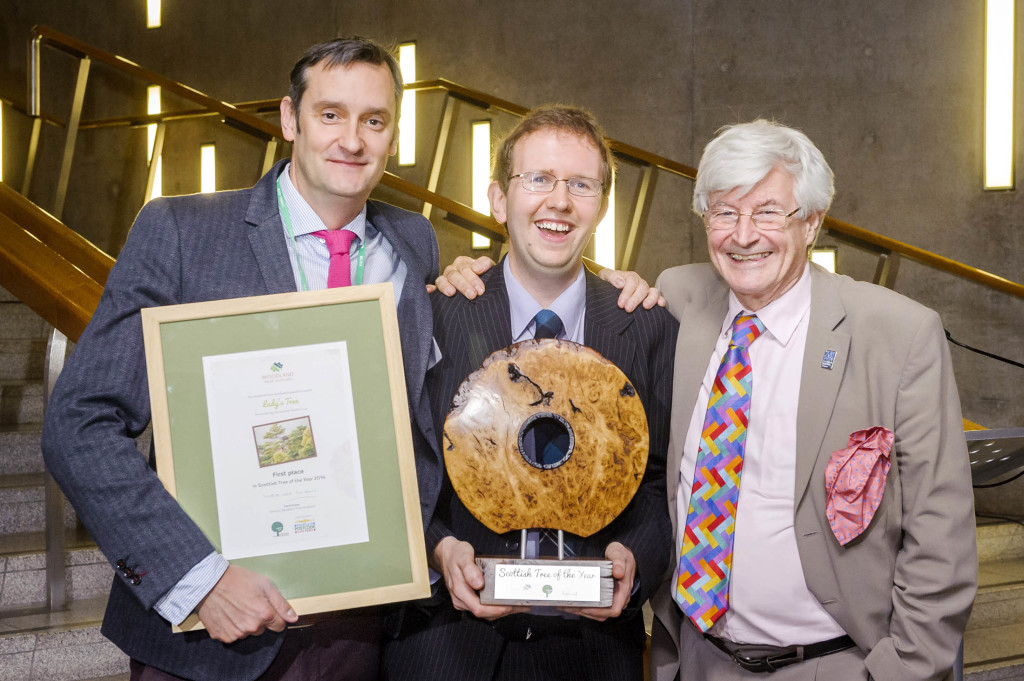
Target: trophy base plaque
540	581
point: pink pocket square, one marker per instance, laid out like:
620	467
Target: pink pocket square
855	481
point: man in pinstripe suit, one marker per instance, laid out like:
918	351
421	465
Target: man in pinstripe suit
552	175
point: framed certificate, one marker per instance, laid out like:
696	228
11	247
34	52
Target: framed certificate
281	426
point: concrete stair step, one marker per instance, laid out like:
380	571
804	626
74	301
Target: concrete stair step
1000	598
994	653
994	641
19	322
60	646
22	505
22	359
19	449
23	569
999	540
21	402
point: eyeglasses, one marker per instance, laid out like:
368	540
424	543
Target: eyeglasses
764	218
544	183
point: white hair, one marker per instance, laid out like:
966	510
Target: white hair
742	155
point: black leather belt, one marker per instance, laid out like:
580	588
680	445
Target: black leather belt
757	658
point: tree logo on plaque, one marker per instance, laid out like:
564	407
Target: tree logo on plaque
546	438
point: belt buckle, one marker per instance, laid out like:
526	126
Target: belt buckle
769	663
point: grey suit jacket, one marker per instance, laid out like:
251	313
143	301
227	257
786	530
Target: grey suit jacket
181	250
903	589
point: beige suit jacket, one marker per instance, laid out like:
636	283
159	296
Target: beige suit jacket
903	589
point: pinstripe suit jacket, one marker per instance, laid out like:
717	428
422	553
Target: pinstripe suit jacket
641	344
181	250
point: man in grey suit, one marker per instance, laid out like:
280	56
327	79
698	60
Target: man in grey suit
551	178
850	552
341	115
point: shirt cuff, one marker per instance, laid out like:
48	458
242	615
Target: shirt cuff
179	602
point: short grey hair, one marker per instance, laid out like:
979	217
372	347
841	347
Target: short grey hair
742	155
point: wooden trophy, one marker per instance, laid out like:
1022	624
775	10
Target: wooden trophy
549	435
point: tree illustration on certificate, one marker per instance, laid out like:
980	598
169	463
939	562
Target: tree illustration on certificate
284	441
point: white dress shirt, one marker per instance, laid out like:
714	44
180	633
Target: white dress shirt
769	602
570	306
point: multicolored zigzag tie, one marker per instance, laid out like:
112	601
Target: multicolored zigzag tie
702	588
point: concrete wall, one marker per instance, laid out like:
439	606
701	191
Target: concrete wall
891	92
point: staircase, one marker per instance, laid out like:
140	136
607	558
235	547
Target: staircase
65	645
994	642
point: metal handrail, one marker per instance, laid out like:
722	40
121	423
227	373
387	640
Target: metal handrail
54	271
457	212
887	248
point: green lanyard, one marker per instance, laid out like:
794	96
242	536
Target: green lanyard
287	220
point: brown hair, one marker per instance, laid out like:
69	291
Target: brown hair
342	52
569	119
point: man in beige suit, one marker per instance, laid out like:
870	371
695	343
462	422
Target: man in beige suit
875	577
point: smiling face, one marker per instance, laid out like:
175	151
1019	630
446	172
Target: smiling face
342	136
760	266
548	232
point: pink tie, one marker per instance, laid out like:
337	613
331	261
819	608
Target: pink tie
338	241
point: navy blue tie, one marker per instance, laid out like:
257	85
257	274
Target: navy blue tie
549	446
547	325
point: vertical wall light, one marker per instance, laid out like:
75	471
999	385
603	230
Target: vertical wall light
208	168
1	142
153	107
407	122
824	256
999	22
152	13
604	235
481	175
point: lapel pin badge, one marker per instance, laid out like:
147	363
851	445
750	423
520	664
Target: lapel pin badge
828	360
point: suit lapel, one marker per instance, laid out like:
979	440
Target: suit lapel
488	318
267	235
605	322
414	312
698	333
819	386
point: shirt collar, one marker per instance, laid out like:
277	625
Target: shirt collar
781	316
304	218
569	306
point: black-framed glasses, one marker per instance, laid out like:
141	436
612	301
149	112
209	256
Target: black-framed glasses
763	218
544	183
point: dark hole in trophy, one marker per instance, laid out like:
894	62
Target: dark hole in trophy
546	440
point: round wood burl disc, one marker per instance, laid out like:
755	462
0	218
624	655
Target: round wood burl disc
537	388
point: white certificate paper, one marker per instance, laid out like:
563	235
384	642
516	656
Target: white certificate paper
285	452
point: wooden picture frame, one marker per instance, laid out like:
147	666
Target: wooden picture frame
388	563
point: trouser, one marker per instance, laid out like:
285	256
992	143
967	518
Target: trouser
346	648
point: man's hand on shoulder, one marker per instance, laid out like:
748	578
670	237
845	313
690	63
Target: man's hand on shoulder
635	290
624	573
463	276
455	559
243	603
